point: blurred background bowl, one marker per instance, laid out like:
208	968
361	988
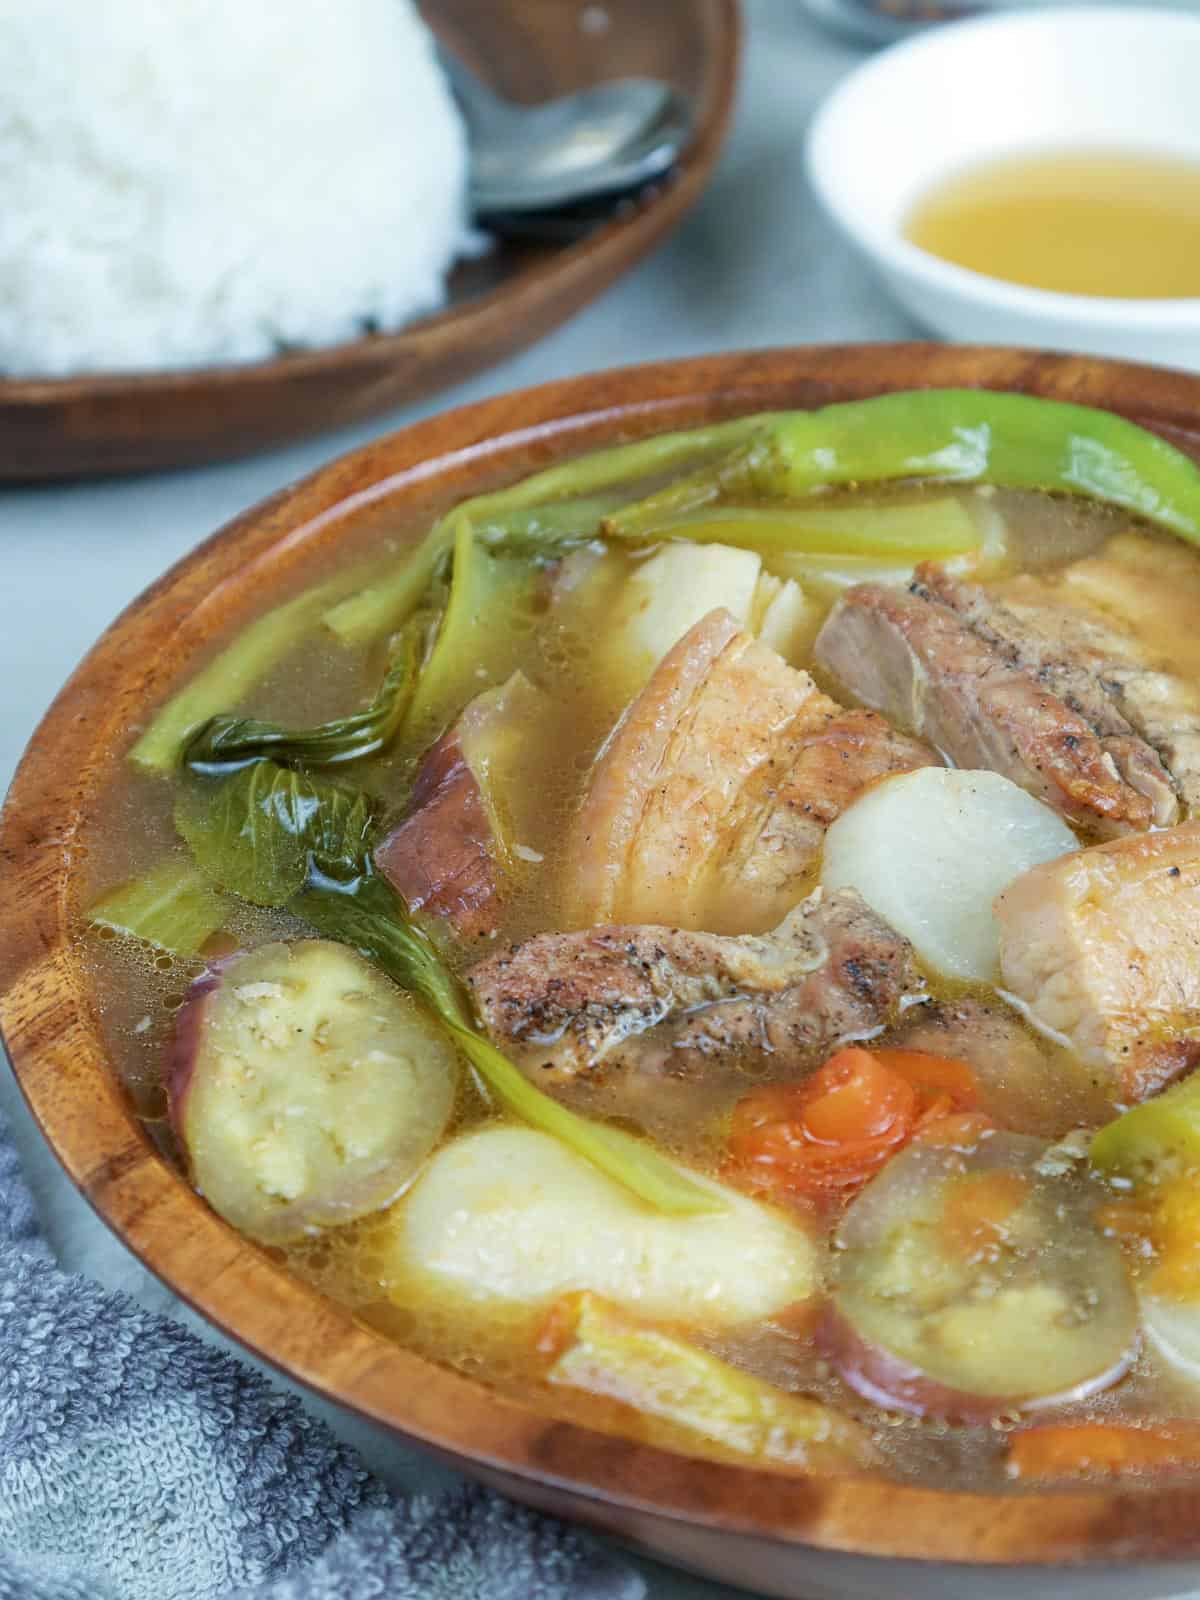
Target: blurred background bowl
886	21
1062	79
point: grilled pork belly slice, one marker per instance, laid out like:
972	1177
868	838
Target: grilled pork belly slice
1067	651
1128	617
665	1000
912	657
1104	947
709	803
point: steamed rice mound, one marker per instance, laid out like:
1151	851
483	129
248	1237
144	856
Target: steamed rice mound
209	181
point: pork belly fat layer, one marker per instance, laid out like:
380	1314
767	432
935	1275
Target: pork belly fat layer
709	804
1104	947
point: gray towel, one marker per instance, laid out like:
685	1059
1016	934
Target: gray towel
139	1463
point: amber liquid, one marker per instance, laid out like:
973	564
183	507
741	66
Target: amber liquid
1096	222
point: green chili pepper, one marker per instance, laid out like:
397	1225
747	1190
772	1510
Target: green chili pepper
959	435
1154	1142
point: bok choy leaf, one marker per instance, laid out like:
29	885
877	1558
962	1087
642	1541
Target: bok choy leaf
225	743
172	906
261	831
538	512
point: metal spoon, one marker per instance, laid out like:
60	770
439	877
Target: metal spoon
605	141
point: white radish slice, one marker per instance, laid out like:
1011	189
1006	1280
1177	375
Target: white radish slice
784	617
305	1088
510	1214
931	850
970	1284
1173	1328
669	592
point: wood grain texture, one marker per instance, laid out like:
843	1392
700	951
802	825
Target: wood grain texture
754	1527
531	49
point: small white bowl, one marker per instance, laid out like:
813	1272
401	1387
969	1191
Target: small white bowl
1121	78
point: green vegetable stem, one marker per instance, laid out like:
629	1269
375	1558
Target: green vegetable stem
173	907
930	530
369	915
226	743
225	680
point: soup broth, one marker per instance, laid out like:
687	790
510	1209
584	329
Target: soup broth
807	1098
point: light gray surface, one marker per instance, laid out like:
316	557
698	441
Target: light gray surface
754	265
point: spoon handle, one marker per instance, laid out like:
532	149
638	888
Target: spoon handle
479	102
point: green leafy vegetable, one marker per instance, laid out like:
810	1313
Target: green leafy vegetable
545	510
734	477
560	524
487	616
386	603
225	743
261	831
173	907
952	435
225	680
277	837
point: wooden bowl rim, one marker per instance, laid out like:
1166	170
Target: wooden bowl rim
47	1012
542	295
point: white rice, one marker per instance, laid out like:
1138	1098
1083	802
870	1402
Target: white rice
199	181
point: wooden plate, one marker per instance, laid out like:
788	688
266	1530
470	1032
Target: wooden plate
786	1535
532	50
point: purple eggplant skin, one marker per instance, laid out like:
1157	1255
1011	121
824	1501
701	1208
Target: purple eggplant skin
184	1045
894	1384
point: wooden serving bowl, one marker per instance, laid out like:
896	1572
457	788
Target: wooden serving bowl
787	1535
531	50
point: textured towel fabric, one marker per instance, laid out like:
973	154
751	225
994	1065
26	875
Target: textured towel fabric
139	1463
